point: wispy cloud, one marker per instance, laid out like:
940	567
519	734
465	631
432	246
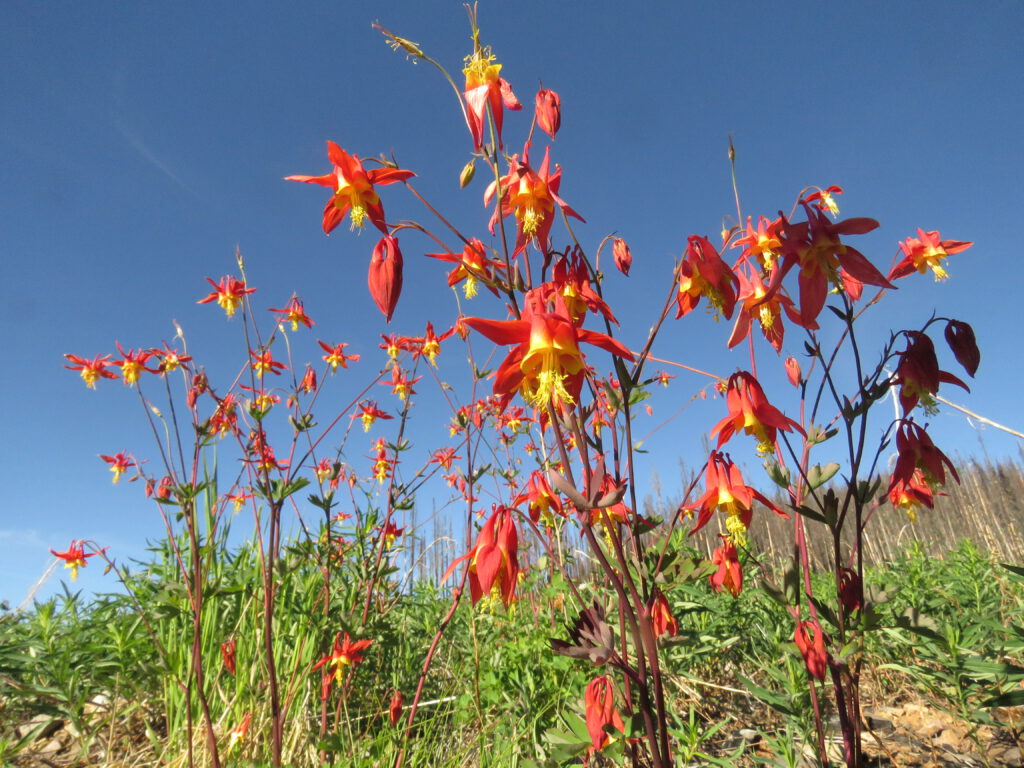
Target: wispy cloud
149	155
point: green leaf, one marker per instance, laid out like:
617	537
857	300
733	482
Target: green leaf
818	475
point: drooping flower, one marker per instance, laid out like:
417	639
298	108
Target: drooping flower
294	313
486	88
916	453
308	383
542	502
548	111
532	196
369	413
119	464
812	648
729	575
726	491
91	371
661	615
336	355
343	655
132	364
599	702
926	252
622	255
239	732
390	532
494	560
851	590
385	276
755	304
75	557
170	359
227	654
353	189
917	372
395	707
227	293
400	383
546	363
911	495
764	244
750	412
824	199
264	362
473	266
704	274
960	337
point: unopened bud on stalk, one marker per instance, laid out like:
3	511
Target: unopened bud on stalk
468	171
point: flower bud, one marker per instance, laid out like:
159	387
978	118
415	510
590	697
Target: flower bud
960	337
549	112
385	277
623	256
468	171
395	708
793	372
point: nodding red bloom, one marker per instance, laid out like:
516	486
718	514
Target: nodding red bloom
170	359
264	362
385	276
926	252
727	491
75	557
663	378
494	560
532	196
750	411
729	575
344	654
395	707
812	648
824	199
308	383
227	293
756	304
793	372
851	590
661	615
548	112
599	701
444	458
133	364
542	501
622	255
119	464
353	189
485	87
570	280
239	732
400	383
369	413
764	244
430	344
703	273
546	363
920	467
294	313
227	654
390	532
336	355
911	495
918	372
815	247
473	266
393	344
225	416
91	371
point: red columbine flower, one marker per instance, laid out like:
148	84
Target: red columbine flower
570	279
541	500
622	255
764	244
912	494
132	364
755	303
494	560
916	451
227	654
926	252
548	112
729	575
400	383
170	359
119	464
91	370
336	355
532	197
727	491
75	557
227	293
369	413
239	732
599	701
385	276
812	648
265	363
390	532
430	346
444	458
353	191
703	273
395	707
851	590
960	337
661	615
918	373
308	383
824	199
485	87
750	411
547	363
294	313
344	654
473	267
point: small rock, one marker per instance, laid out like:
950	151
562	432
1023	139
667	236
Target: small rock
749	735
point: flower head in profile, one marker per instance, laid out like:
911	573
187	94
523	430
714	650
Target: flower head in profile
91	371
369	413
494	560
810	640
352	189
228	294
750	412
336	355
239	732
473	267
703	273
343	655
729	575
485	87
661	616
727	492
132	364
119	464
548	111
294	313
924	252
599	703
74	557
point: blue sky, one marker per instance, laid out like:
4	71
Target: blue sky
141	142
